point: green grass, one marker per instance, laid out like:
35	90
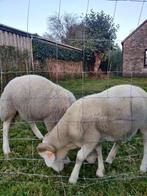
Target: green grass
88	86
26	173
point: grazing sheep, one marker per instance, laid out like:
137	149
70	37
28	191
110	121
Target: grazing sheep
113	115
34	98
118	144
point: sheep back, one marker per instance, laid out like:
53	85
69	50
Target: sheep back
116	113
34	98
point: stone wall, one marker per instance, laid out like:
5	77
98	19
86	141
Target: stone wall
134	52
59	69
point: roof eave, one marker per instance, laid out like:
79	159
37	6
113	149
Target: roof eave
133	32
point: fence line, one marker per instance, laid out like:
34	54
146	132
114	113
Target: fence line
83	74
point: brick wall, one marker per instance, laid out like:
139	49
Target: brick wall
58	69
133	52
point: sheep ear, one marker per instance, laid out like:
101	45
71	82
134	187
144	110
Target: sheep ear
42	147
45	152
50	155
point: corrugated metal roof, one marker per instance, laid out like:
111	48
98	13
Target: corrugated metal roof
30	35
56	43
14	30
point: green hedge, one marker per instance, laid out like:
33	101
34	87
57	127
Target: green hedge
43	50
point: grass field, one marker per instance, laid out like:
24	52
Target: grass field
26	174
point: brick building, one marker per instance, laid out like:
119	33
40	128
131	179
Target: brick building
134	48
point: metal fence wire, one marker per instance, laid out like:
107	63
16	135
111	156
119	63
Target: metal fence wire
24	162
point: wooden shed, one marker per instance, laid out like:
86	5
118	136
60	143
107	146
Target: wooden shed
13	37
22	52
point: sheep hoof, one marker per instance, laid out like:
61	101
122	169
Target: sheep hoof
143	169
72	180
99	174
6	156
109	161
40	137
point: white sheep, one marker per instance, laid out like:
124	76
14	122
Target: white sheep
34	98
113	115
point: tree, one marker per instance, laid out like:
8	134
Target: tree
48	36
100	35
115	60
100	31
95	34
65	29
95	31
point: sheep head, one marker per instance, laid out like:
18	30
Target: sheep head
48	153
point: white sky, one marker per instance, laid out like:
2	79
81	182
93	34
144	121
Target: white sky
14	13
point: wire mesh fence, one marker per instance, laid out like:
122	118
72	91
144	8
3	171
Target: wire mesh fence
24	164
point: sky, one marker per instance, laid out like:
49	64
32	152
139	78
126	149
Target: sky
14	13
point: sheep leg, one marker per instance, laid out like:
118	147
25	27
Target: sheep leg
101	168
143	167
113	152
49	125
36	130
6	147
81	156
